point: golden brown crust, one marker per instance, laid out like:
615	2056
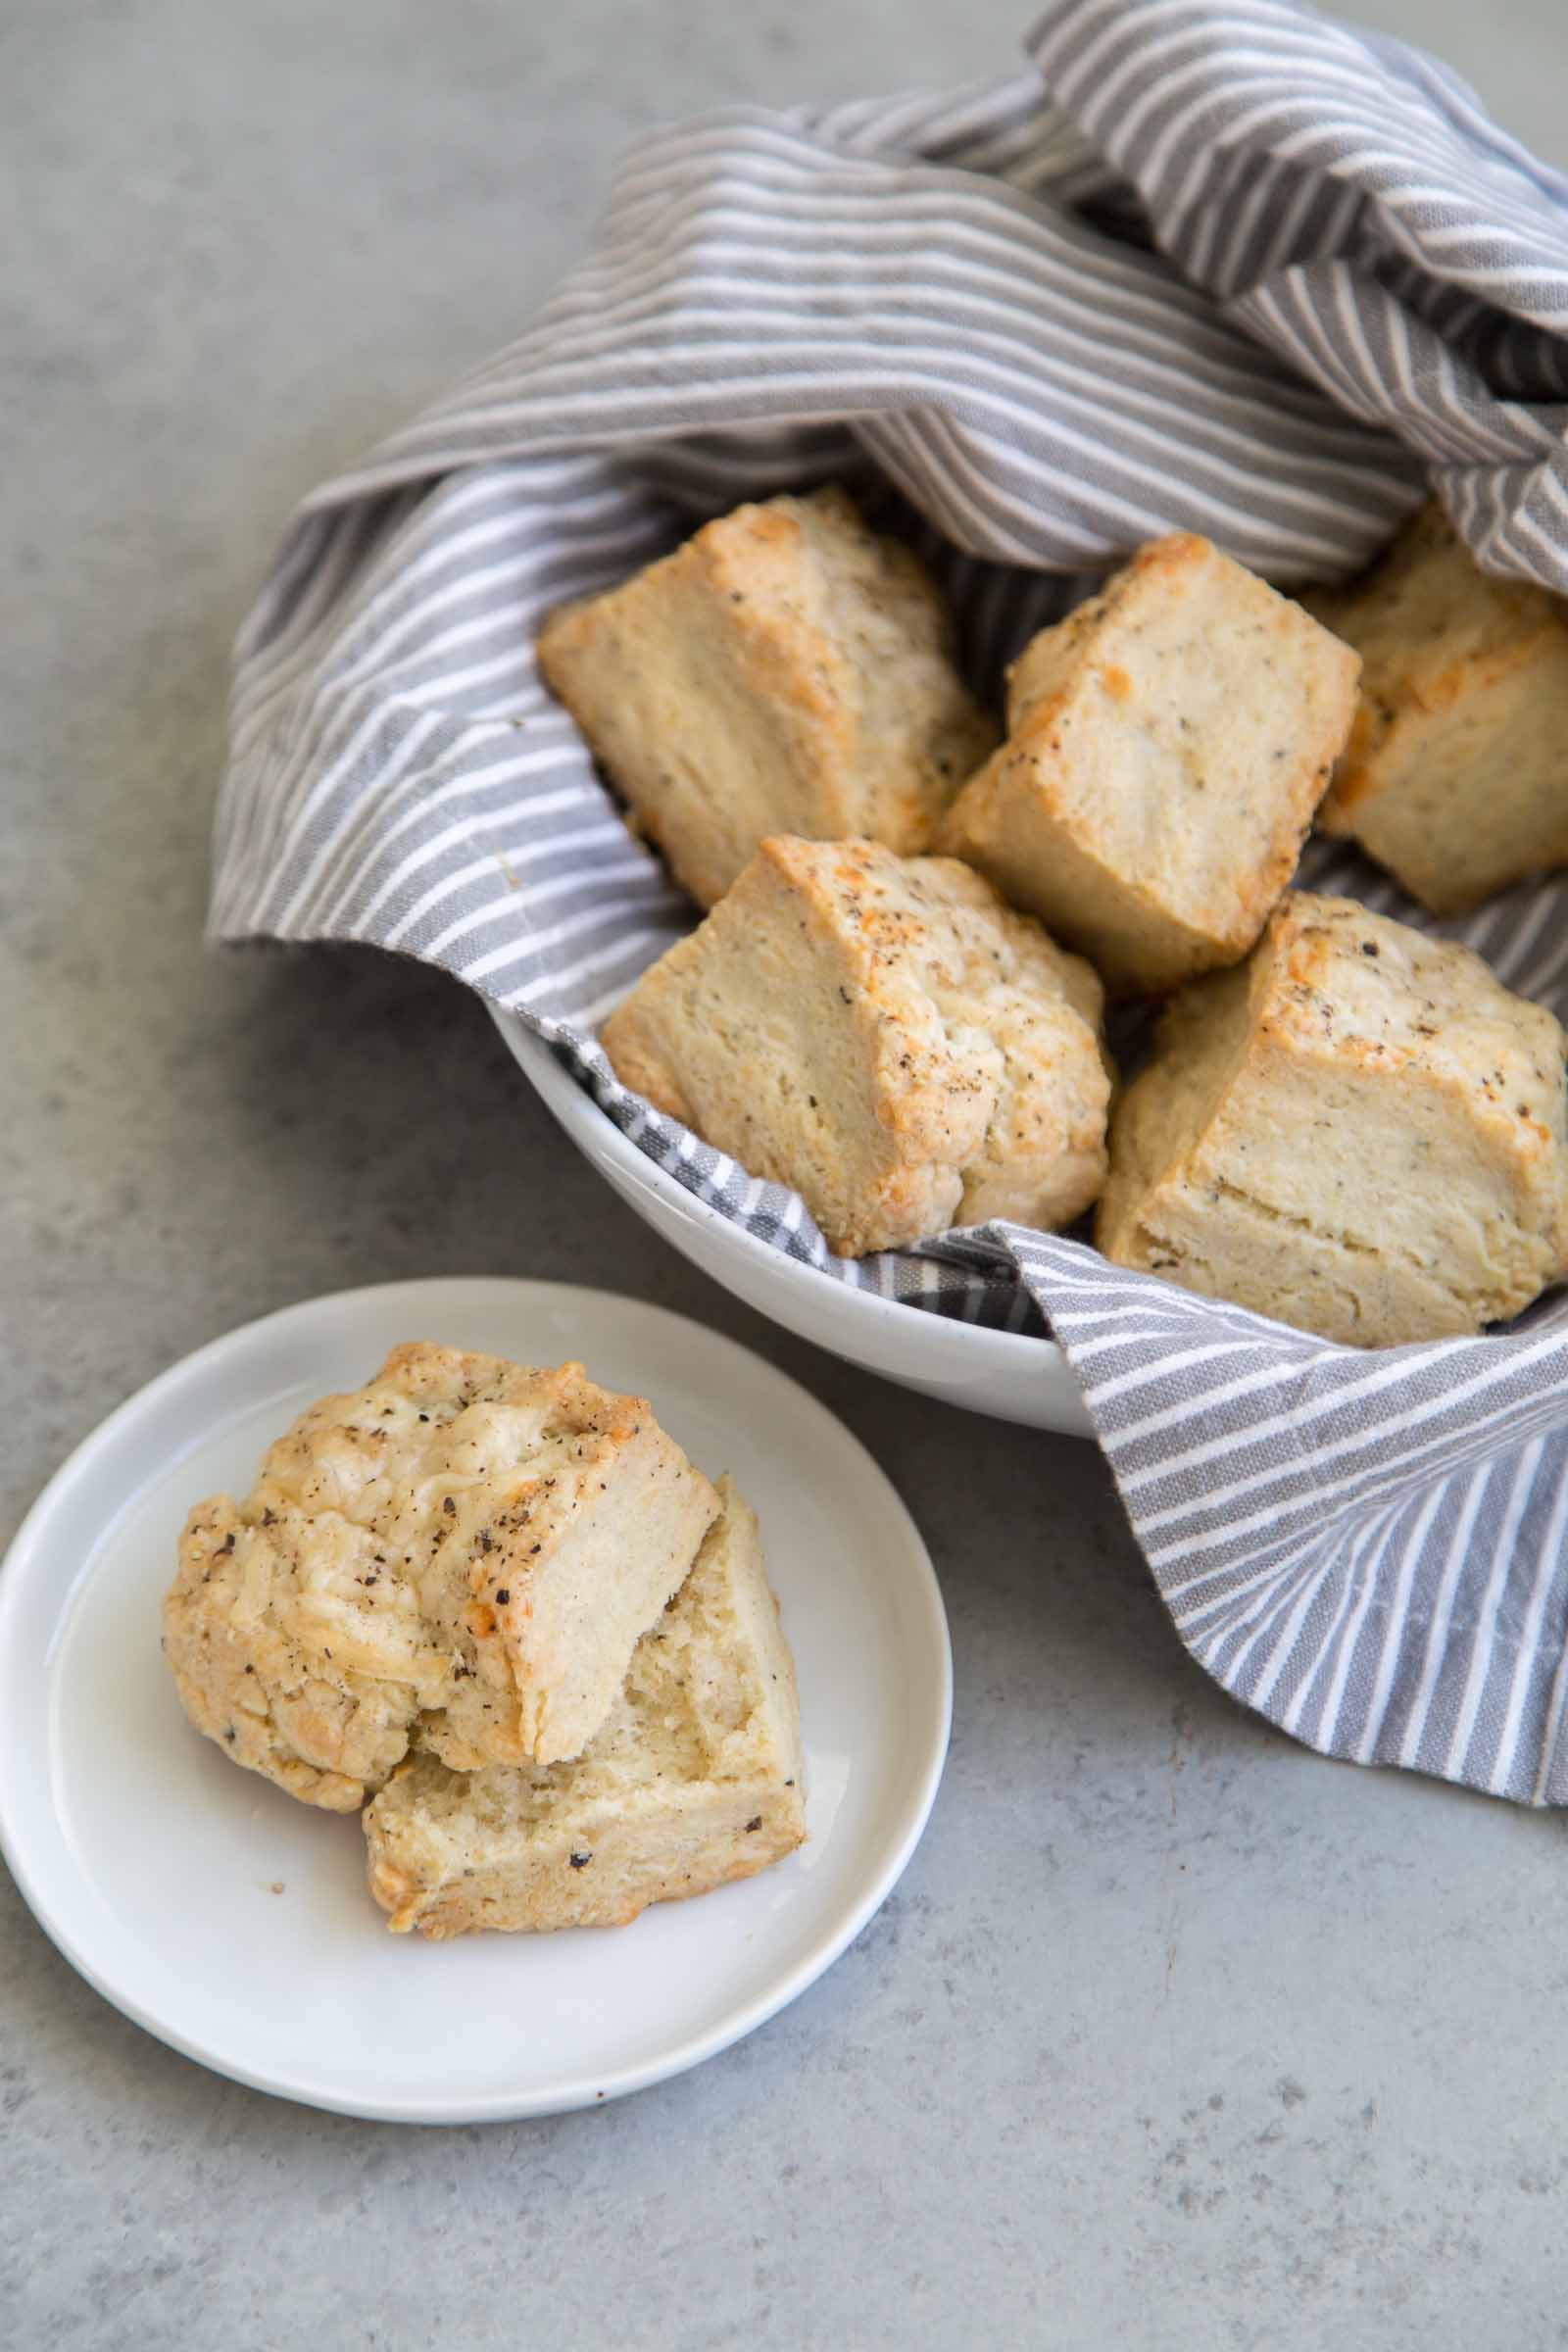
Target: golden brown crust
1359	1132
784	670
884	1036
696	1780
1455	776
275	1703
463	1541
1167	746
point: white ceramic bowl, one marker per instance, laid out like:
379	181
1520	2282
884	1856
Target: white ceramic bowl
1000	1372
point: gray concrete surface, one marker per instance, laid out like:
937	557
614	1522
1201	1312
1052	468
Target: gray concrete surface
1174	2034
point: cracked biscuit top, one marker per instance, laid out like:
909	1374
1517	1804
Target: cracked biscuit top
465	1546
883	1035
1360	1132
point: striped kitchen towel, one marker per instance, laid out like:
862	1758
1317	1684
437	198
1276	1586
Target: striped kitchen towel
1219	265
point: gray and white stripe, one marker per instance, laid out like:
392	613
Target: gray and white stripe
1212	263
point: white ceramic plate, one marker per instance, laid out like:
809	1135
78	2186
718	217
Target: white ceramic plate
1003	1373
235	1924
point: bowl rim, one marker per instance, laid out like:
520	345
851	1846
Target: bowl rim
949	1341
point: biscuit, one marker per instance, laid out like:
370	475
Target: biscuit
884	1036
1359	1132
1455	776
463	1544
696	1779
786	670
1167	744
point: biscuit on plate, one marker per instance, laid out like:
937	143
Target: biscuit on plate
1167	744
464	1544
787	671
697	1778
1455	776
1360	1130
883	1035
